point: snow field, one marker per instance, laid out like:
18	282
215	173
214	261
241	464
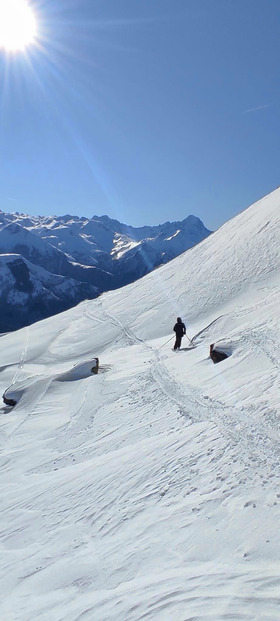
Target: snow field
150	491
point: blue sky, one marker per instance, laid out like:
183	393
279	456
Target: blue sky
144	110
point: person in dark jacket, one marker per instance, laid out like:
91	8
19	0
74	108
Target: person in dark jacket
180	330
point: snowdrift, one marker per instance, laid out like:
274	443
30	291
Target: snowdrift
17	390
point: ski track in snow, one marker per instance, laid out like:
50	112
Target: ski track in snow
257	442
242	459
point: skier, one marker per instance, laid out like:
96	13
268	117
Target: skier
180	330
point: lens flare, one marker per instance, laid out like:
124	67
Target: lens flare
17	25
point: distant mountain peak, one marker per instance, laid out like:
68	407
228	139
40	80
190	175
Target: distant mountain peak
96	254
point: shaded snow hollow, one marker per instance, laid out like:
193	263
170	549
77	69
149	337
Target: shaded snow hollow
150	490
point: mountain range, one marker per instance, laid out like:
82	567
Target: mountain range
49	264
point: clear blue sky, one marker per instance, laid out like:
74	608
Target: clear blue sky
144	110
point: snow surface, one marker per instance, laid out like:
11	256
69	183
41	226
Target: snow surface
150	490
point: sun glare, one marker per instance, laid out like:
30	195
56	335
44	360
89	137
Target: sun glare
17	25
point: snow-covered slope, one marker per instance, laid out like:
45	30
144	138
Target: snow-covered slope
150	491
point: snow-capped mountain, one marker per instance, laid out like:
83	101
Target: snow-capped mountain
101	252
151	490
29	292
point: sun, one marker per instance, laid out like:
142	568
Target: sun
17	25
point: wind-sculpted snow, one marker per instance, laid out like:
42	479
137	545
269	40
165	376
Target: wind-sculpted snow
151	490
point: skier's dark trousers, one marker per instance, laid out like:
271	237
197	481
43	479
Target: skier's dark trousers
180	330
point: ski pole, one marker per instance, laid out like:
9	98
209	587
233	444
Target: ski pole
166	342
191	341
